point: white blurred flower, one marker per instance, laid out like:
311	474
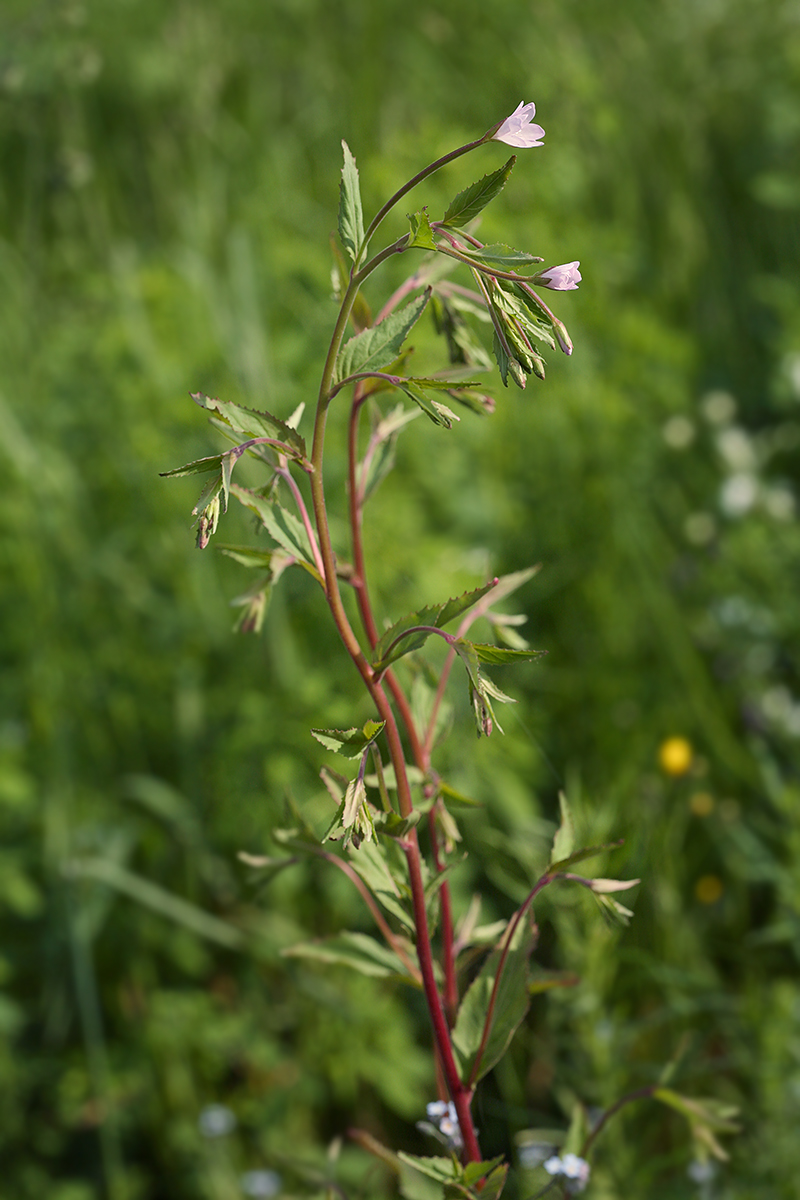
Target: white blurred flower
678	432
519	130
738	494
571	1168
718	408
443	1113
260	1183
737	449
701	1172
216	1121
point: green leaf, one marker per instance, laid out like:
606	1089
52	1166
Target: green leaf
371	863
350	742
351	220
493	1184
437	615
564	841
516	302
580	855
545	981
475	1171
505	258
443	1170
447	382
706	1117
439	413
456	798
472	201
499	654
249	556
356	950
281	524
415	1185
198	467
377	464
511	1005
421	232
393	825
378	346
254	424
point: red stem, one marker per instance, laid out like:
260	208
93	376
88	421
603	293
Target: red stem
420	752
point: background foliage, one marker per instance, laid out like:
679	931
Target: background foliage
169	184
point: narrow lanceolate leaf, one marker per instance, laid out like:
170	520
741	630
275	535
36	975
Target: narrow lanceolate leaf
351	221
579	855
281	524
499	654
468	204
377	347
355	950
564	841
510	1006
501	257
350	742
254	424
437	615
198	467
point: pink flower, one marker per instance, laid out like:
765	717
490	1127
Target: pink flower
560	279
519	130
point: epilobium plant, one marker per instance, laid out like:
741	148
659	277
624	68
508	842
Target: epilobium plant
394	793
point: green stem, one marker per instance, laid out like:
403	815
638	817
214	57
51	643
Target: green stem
418	178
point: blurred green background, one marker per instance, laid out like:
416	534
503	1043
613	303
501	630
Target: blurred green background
169	183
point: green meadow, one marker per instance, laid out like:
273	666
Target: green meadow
168	190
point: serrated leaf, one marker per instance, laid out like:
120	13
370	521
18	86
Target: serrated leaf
499	654
441	1169
493	1184
351	220
439	413
437	615
421	232
510	1007
254	424
475	1171
356	950
564	840
281	525
378	346
466	206
349	742
198	467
